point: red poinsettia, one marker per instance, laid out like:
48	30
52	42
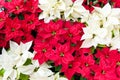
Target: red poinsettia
71	68
104	71
74	31
15	6
2	19
43	50
51	31
26	37
86	62
12	28
29	23
31	6
109	56
62	54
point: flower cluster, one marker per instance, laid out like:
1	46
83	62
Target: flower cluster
66	9
103	27
59	40
17	64
18	20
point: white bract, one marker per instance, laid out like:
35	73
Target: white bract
75	10
115	43
12	61
51	9
7	63
43	73
20	52
103	26
65	9
111	15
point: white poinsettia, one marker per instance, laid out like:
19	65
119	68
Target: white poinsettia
93	38
7	63
75	10
43	73
66	9
102	24
20	52
112	15
51	9
12	61
115	43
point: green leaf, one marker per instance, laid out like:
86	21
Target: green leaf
97	60
55	20
12	15
73	78
36	69
9	0
82	78
72	44
2	72
14	67
78	77
79	19
113	35
21	16
49	62
101	45
28	62
57	68
23	77
92	50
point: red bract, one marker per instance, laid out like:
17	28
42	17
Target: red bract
63	54
31	6
2	19
103	1
104	71
82	52
44	51
71	68
73	0
106	66
30	22
15	6
2	3
88	5
74	31
111	57
86	62
51	31
116	3
12	28
117	70
81	64
26	37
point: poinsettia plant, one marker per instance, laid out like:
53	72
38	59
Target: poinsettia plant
59	39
